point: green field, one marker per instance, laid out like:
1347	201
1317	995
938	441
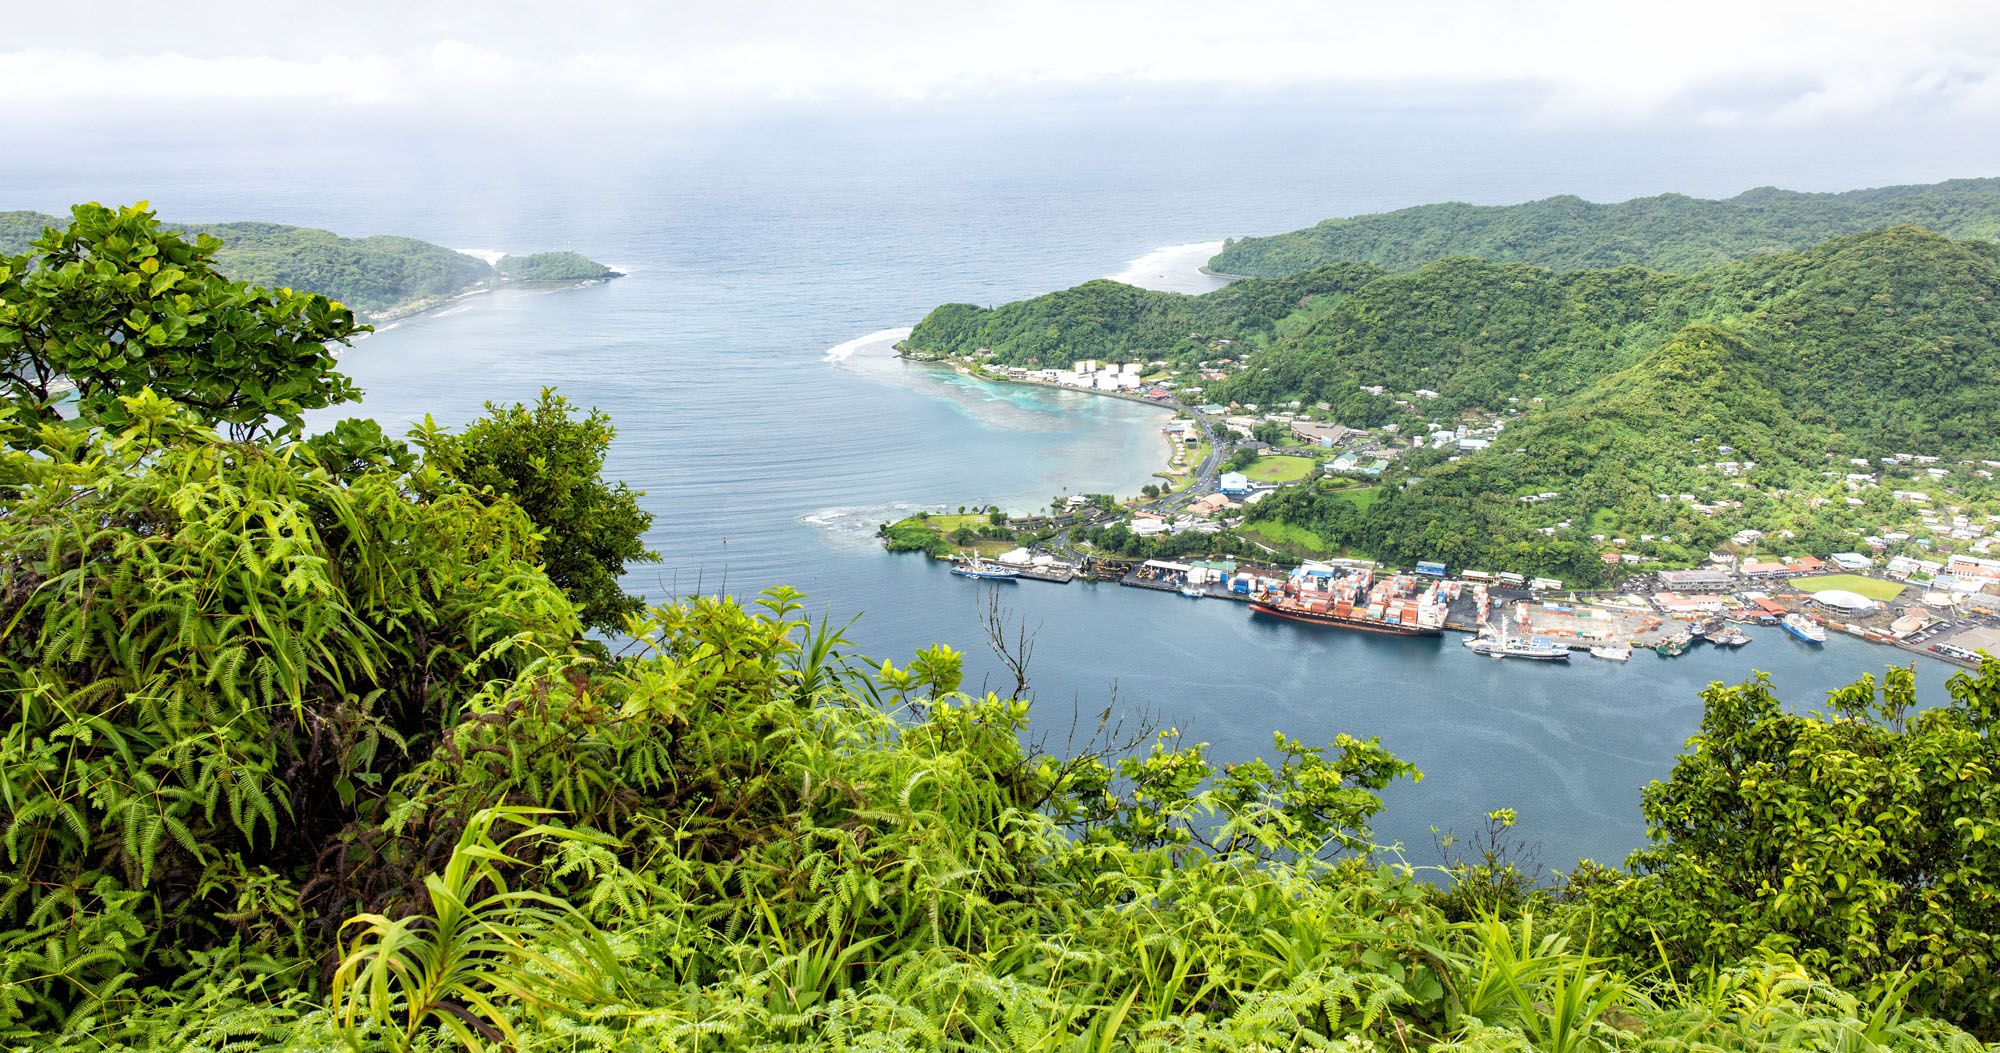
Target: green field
1873	588
1361	497
1273	533
945	524
1281	469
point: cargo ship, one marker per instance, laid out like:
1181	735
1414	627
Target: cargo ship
1352	596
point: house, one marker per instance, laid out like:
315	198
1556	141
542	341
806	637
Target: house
1972	567
1851	561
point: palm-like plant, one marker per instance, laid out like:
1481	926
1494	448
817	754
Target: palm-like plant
483	948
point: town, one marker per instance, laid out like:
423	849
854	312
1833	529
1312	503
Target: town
1922	575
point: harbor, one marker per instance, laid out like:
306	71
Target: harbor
1509	616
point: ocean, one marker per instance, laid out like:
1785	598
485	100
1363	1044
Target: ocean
745	361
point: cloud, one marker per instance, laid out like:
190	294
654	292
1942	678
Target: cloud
1776	62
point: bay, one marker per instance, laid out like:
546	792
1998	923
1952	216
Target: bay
772	434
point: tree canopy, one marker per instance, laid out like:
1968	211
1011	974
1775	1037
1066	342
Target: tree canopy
550	461
114	304
1671	232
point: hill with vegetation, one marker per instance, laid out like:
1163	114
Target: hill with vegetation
552	267
1868	345
380	276
1670	232
307	749
1104	319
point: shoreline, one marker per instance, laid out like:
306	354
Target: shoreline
1173	410
413	308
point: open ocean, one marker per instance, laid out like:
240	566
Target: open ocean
745	362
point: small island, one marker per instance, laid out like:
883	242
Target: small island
381	277
553	267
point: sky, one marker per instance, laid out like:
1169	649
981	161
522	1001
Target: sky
1694	62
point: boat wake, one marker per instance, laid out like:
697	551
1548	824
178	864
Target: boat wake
882	340
1175	268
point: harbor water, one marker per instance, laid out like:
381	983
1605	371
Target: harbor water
745	361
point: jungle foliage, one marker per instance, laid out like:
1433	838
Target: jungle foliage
549	461
306	750
1671	232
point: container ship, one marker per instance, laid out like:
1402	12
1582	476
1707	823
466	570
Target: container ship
1352	597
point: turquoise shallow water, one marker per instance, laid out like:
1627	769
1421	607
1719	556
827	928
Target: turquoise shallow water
754	253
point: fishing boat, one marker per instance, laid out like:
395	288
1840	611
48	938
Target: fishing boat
1804	628
1193	592
1496	642
1673	646
1515	647
1729	636
1612	652
984	570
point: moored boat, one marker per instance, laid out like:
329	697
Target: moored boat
1804	628
1672	646
1612	652
1728	637
1193	592
1351	595
1496	642
1536	650
1282	607
983	569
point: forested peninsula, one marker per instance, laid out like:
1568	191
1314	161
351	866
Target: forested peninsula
1670	232
382	277
1625	411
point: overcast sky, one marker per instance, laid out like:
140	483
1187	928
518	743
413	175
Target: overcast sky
1741	62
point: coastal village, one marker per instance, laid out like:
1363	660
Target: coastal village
1927	581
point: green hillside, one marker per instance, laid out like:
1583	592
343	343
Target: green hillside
1620	384
1669	232
552	267
378	276
1106	319
309	748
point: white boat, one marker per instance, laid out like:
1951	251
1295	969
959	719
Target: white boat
1193	592
1612	652
1804	628
985	570
1497	642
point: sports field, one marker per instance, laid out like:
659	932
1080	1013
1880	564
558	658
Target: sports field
1873	588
